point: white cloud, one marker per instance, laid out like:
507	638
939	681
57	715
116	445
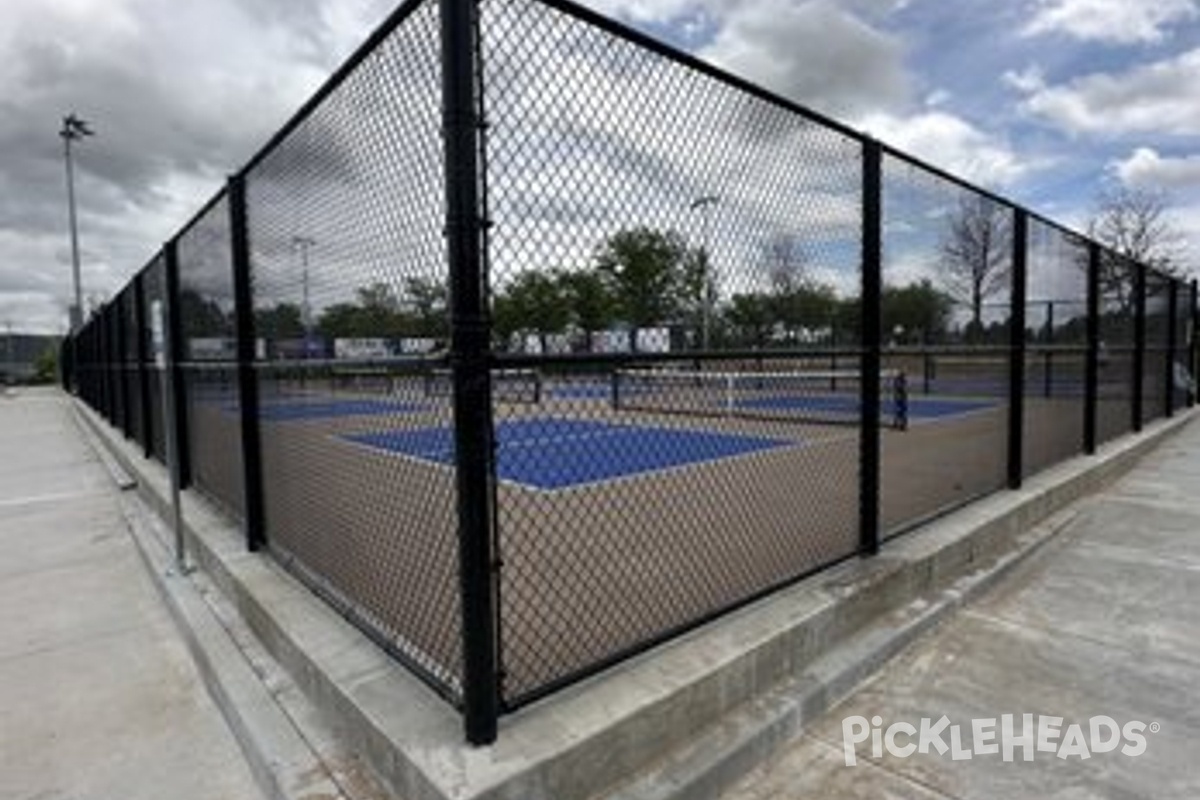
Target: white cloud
816	53
1028	80
952	143
1146	169
1162	97
1114	21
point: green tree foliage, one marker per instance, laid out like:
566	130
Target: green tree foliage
283	321
915	313
751	318
427	301
652	275
533	301
45	368
591	300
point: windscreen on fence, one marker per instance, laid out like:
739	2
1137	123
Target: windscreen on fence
947	277
1055	347
350	285
209	357
648	217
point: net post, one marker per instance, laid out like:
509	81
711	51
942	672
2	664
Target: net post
1139	343
1091	368
871	335
471	376
256	534
1172	343
1016	364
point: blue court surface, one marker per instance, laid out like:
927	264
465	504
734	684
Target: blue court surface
294	410
553	453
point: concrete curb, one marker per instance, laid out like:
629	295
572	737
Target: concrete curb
248	691
644	717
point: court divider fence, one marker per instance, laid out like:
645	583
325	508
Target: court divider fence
531	342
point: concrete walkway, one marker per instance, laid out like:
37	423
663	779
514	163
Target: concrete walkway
1103	622
99	697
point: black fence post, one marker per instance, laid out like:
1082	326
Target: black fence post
1139	342
1091	368
1194	350
871	343
243	301
1172	344
176	355
469	342
1016	362
141	323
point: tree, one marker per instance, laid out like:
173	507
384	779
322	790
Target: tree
918	310
45	368
752	317
532	301
591	300
976	253
1134	223
1132	226
650	273
282	321
427	300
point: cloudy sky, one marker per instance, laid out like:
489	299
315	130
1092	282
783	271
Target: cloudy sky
1048	101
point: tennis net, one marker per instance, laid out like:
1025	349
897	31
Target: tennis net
515	385
828	397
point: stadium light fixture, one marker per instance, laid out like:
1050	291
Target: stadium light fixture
73	129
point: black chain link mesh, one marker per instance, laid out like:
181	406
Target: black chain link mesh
1183	375
1114	402
1155	362
674	277
208	329
946	307
129	367
622	183
1055	347
350	281
154	302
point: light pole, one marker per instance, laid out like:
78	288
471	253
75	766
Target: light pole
705	203
302	243
74	128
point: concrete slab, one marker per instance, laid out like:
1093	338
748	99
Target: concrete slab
1102	622
100	698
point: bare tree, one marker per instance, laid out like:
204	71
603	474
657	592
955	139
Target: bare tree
1134	223
976	253
1132	226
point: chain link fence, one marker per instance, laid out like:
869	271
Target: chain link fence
530	343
